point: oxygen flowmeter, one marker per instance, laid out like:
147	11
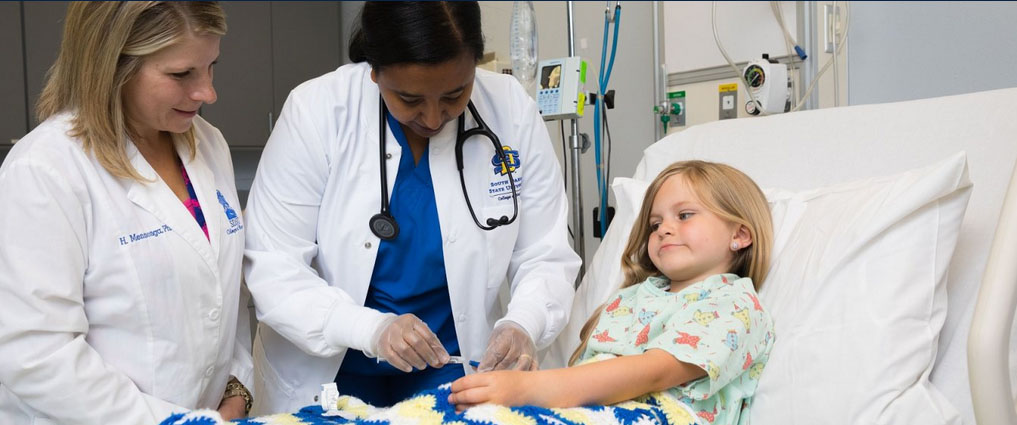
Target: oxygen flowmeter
671	112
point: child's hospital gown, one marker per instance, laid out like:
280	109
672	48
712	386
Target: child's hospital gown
717	324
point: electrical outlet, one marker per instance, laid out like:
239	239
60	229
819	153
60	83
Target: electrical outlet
728	100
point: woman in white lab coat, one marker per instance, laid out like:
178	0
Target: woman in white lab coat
120	242
378	291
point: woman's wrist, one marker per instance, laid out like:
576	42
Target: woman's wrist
234	388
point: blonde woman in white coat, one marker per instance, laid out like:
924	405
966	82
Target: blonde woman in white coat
118	306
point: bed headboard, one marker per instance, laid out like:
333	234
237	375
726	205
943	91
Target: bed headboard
823	147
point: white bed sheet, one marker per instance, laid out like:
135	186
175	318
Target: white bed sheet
818	148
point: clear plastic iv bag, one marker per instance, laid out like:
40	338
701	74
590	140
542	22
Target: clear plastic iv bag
523	42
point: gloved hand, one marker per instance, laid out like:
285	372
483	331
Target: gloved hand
510	347
406	343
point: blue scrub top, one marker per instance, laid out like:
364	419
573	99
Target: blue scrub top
409	277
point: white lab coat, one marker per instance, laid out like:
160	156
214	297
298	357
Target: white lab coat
310	253
115	308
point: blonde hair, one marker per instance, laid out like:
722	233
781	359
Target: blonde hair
103	46
724	191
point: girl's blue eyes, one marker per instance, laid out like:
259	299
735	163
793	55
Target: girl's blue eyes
682	216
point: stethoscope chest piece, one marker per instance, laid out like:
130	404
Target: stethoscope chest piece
384	226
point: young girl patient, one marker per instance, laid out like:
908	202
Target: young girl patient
686	319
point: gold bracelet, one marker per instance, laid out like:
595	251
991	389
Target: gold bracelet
235	388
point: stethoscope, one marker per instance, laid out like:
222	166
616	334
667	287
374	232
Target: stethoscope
384	226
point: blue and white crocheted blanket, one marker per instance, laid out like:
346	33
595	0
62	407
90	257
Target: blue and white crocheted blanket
432	408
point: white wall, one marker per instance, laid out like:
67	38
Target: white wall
747	28
913	50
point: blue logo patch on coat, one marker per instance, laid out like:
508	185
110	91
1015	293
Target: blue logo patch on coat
231	214
512	159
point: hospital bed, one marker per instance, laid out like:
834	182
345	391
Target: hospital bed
884	218
893	282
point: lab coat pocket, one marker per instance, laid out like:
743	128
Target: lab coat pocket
269	389
499	243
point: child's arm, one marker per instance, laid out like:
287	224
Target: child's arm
605	382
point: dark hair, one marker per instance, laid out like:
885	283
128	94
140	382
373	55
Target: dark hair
427	32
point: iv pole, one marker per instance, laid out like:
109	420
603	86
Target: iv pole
659	73
577	193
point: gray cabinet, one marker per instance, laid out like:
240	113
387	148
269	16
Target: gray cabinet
243	75
270	48
14	119
43	28
306	43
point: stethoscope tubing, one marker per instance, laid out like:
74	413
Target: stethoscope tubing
483	130
384	225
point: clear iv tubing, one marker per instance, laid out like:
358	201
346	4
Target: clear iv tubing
602	81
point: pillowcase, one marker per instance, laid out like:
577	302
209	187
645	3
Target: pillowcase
856	288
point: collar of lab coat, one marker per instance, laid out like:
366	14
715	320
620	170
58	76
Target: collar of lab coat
445	139
439	147
156	197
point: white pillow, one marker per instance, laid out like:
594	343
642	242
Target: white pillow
603	272
856	288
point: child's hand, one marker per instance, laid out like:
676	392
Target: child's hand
504	387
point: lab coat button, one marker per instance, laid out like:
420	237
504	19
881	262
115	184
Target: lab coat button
367	245
462	317
209	371
214	314
388	156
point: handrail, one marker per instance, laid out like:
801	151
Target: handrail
989	339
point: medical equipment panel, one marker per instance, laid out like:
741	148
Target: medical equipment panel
770	86
560	88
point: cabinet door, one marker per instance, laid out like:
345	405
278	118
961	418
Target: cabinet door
13	122
243	75
306	43
44	27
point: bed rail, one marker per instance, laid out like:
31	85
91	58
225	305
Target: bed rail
988	342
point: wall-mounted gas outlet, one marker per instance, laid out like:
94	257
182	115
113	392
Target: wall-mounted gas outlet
677	110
